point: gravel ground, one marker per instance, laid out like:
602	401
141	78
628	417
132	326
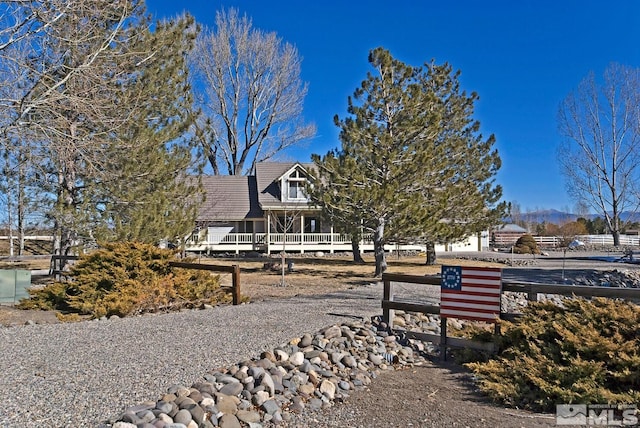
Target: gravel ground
80	374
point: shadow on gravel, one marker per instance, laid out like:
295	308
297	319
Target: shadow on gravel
544	276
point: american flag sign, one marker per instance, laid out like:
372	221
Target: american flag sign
471	293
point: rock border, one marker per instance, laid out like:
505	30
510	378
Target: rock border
309	373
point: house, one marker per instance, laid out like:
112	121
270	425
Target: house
267	212
270	212
506	235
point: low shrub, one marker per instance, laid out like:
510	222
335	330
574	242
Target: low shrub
579	352
526	244
125	279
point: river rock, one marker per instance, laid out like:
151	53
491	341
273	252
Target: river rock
305	374
229	421
328	389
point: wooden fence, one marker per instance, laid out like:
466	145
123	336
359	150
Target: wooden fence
234	270
605	240
59	262
389	304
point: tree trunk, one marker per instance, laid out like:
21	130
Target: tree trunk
378	248
10	224
616	238
21	209
431	254
57	240
355	248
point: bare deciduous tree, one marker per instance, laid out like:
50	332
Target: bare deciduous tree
81	80
56	60
286	223
50	43
250	93
600	155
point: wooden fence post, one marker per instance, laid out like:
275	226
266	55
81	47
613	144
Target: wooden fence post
236	284
387	296
443	338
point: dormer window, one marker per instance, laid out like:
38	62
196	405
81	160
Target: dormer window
295	186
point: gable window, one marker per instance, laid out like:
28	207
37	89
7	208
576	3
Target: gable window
295	186
295	190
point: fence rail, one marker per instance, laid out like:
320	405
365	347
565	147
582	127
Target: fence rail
390	304
559	241
234	270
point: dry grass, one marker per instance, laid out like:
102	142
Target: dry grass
40	263
311	275
31	247
322	275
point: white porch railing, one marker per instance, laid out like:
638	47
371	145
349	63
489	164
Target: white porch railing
235	238
308	238
277	238
294	242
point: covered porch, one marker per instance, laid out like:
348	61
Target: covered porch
270	242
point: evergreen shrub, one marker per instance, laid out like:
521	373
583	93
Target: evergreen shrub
526	244
583	351
127	278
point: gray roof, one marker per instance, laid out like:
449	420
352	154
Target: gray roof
511	228
232	197
229	197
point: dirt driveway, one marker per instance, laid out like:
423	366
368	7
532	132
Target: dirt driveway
433	395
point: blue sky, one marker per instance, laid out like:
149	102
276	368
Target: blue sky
521	57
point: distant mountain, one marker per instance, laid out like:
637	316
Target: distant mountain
560	217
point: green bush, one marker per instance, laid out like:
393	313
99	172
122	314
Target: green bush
526	244
580	352
125	279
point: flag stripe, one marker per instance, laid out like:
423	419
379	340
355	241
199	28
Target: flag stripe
473	316
484	282
489	309
466	298
454	293
484	276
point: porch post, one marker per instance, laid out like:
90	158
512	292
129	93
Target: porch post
253	236
238	228
301	233
268	237
331	246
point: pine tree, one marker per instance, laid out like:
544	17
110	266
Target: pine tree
341	208
151	196
412	164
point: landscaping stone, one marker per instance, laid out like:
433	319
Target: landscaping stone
308	373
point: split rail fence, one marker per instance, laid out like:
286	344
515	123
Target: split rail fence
234	270
58	264
532	290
